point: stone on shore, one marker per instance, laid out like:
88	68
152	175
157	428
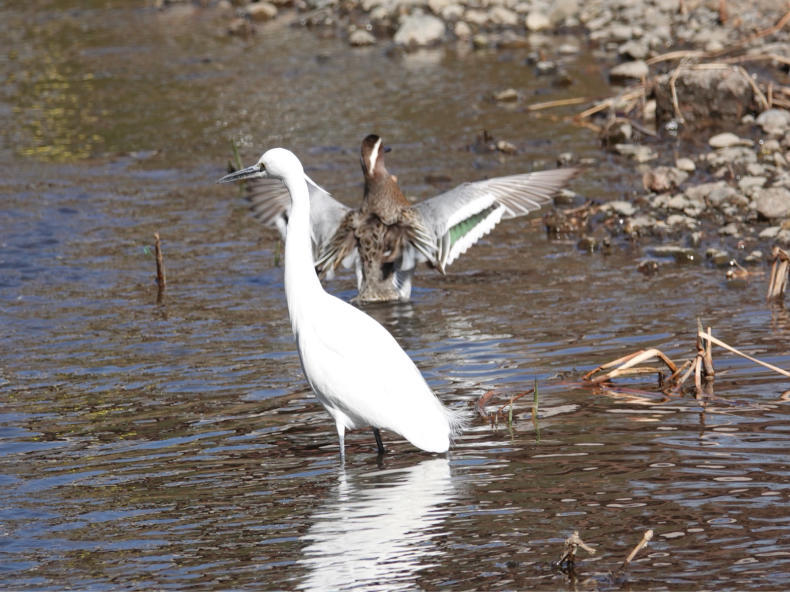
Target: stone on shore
420	30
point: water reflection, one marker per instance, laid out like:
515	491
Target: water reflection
376	530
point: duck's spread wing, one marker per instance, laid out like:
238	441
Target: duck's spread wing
460	217
270	204
341	248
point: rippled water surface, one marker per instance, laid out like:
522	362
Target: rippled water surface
176	445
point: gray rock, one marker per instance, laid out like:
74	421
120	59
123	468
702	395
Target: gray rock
452	12
770	232
462	30
476	17
719	95
679	254
537	21
634	49
750	185
730	229
420	30
628	71
503	16
728	140
361	38
728	157
260	11
621	207
718	257
438	6
681	220
506	96
774	122
621	32
754	258
773	203
545	67
636	151
563	9
662	179
568	49
685	164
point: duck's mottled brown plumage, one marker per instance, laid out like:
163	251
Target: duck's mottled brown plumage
379	228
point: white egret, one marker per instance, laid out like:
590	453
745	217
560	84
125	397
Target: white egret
387	237
354	366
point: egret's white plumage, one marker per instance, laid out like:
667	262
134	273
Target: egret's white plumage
355	367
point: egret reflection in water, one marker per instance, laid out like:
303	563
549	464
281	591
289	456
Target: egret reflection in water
375	531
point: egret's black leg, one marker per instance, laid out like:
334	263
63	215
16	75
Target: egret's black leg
378	441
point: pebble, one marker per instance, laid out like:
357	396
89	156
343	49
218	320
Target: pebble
476	17
754	257
503	16
685	164
636	151
621	207
419	30
260	11
679	254
634	49
730	229
662	179
545	67
774	122
537	21
462	30
728	140
773	203
718	257
361	38
681	220
508	95
628	71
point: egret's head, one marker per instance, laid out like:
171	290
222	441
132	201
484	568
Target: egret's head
277	162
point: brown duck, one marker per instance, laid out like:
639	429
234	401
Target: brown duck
387	236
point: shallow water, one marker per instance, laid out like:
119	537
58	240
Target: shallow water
176	445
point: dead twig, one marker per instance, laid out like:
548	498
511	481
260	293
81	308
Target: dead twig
161	282
640	545
557	103
572	544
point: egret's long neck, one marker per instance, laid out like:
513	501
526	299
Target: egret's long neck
302	287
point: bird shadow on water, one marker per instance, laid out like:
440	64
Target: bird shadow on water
376	528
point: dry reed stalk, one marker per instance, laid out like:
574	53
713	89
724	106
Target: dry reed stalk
161	282
557	103
640	545
729	348
779	274
625	366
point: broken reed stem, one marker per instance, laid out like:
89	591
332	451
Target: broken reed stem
572	544
557	103
641	545
779	274
729	348
161	281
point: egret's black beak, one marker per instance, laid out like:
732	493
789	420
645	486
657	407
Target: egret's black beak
251	172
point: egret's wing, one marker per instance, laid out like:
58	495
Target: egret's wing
460	217
271	204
